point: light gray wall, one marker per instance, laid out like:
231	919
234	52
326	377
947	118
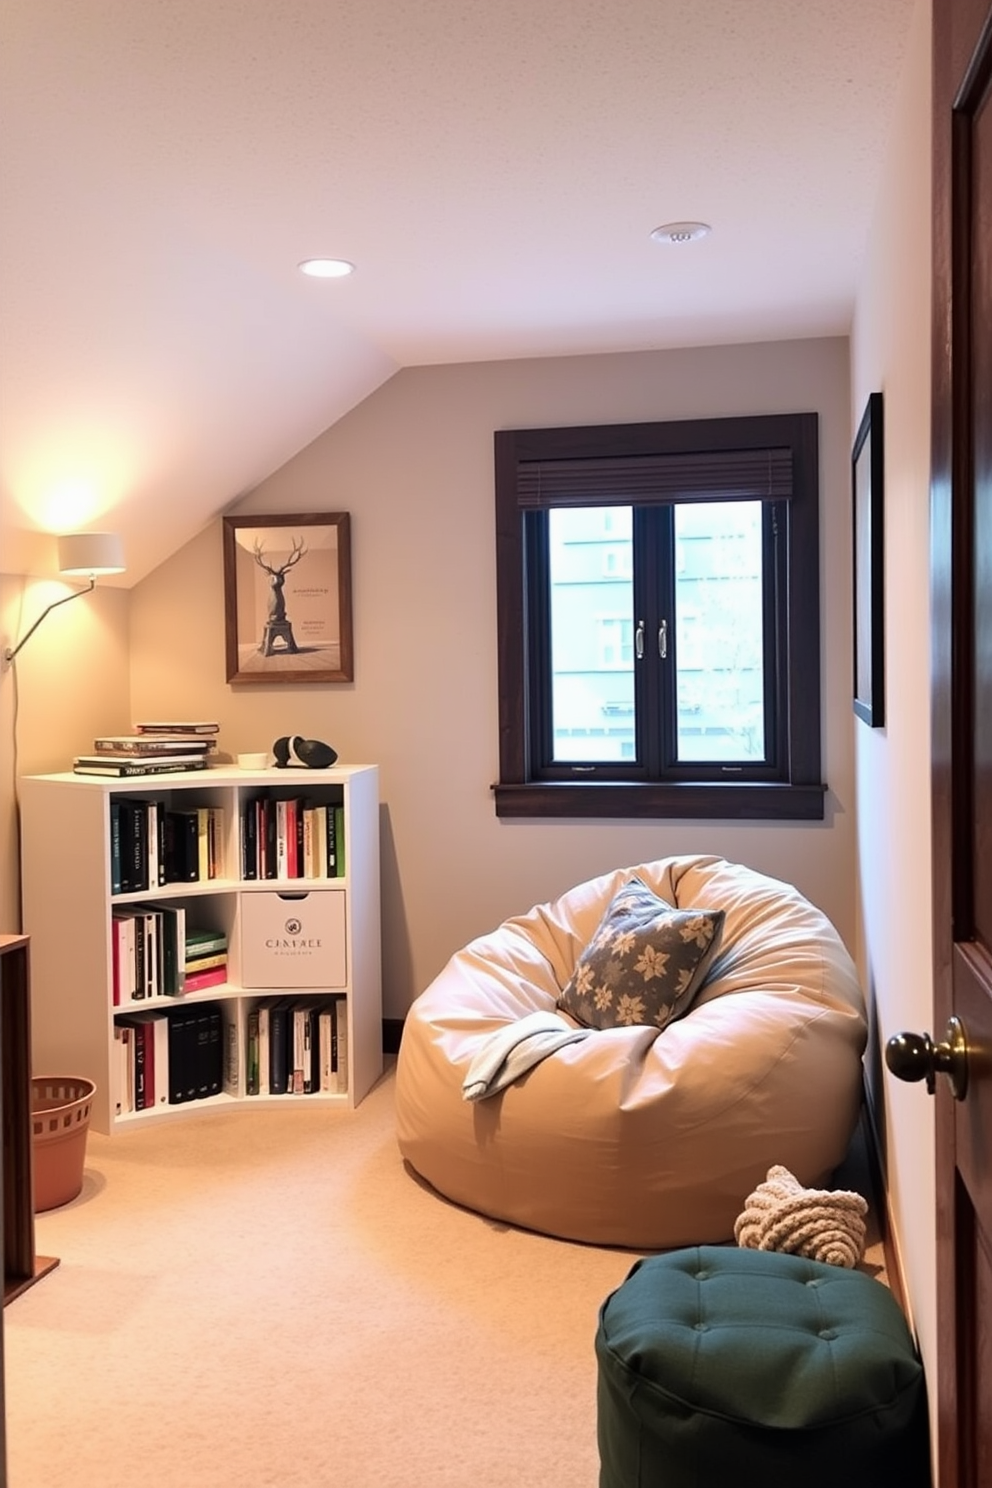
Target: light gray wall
414	467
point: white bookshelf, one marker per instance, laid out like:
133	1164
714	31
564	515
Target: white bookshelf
68	903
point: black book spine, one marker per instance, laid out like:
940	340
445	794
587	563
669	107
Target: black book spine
141	1101
332	845
249	840
280	1047
115	847
181	847
215	1052
133	817
271	839
311	1079
201	1057
178	1023
160	823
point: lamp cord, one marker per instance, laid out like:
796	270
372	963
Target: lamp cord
9	654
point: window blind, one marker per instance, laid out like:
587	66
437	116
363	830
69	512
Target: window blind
709	475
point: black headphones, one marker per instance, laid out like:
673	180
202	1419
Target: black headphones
292	750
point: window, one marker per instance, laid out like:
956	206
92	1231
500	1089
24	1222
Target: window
658	614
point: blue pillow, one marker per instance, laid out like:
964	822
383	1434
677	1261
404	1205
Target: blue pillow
645	963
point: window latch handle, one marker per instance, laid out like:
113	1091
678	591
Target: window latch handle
663	640
639	641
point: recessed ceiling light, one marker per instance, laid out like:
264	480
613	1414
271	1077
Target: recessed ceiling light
327	268
680	232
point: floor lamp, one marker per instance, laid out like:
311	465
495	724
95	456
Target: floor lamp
79	553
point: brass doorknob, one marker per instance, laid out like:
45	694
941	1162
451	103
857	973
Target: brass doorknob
915	1056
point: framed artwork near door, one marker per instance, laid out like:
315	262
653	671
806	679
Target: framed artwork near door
287	598
868	474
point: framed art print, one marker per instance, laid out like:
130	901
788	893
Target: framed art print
868	474
287	598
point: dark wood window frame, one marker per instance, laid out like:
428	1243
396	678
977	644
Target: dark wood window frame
659	461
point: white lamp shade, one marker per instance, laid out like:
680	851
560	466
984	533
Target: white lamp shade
90	553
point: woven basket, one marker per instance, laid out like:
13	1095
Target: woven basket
60	1118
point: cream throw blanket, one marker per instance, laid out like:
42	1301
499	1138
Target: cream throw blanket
513	1050
821	1224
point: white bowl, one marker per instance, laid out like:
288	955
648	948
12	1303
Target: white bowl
253	761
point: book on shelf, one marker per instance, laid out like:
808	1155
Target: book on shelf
123	956
208	1055
181	845
232	1056
196	981
115	847
203	843
249	840
296	1046
204	943
171	933
156	868
290	838
270	855
195	1052
137	1071
132	817
341	1045
252	1086
339	863
205	963
330	833
179	1022
280	1047
128	746
127	768
123	1069
147	1067
178	726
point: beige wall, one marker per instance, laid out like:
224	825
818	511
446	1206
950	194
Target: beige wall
413	466
891	354
70	683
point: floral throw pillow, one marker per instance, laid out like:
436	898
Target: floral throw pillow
645	963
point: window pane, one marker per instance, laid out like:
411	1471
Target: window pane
592	634
718	632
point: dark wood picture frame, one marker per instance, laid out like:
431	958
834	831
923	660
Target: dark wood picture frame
868	507
287	598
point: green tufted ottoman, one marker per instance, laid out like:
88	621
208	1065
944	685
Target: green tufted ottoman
726	1368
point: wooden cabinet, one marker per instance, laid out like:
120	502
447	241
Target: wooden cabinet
69	877
21	1266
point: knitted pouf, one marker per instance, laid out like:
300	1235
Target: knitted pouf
723	1368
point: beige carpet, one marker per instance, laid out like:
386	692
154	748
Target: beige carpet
267	1297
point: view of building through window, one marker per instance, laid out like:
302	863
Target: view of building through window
714	640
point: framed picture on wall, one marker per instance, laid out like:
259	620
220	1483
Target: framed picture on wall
287	598
868	473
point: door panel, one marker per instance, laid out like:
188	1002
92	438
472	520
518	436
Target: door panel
961	681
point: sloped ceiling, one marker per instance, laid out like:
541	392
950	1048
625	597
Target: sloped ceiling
494	172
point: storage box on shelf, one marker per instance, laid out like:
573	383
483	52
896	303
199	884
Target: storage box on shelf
114	908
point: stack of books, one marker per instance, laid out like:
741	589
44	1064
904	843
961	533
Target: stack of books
206	959
153	749
168	1058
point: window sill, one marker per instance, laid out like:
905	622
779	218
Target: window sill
737	802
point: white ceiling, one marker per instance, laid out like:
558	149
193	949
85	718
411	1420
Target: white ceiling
493	170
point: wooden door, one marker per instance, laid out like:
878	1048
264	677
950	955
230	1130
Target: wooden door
961	597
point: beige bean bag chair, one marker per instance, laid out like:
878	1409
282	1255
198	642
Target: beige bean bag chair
636	1135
